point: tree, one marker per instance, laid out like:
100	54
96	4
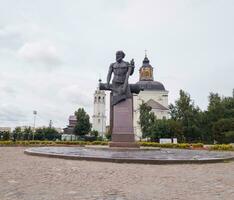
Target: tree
228	103
47	133
228	137
176	130
147	119
218	108
185	111
94	133
17	134
27	133
83	125
39	134
205	128
160	129
108	135
51	133
223	130
4	135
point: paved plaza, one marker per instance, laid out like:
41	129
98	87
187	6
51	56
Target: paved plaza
25	177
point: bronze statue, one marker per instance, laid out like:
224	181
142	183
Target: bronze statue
121	70
121	102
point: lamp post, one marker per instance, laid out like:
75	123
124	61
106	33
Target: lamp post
102	125
34	122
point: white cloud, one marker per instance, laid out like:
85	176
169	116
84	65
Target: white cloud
40	52
10	114
75	94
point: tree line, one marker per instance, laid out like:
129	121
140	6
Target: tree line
188	123
45	133
82	130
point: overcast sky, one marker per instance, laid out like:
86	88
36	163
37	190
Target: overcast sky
52	52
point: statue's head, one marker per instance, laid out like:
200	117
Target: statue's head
119	56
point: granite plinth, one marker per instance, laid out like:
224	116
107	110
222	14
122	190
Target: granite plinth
122	132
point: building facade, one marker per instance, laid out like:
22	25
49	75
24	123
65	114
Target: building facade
5	129
99	112
154	94
70	127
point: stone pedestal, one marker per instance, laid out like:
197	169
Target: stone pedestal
122	130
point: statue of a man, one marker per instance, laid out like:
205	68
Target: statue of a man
121	70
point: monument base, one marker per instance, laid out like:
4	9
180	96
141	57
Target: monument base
122	132
124	144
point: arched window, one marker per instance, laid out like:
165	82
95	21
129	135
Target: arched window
99	99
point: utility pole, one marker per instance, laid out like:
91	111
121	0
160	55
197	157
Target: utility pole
50	124
34	122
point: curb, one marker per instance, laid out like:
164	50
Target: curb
130	160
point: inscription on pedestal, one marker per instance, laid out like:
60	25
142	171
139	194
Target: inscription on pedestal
123	119
123	123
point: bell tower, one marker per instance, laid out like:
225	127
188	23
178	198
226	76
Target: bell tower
146	71
99	113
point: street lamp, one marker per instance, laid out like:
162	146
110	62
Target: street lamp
34	123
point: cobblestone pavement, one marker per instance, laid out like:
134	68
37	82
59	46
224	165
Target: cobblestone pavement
24	177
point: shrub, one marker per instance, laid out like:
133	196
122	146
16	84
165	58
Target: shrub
6	142
99	143
222	147
196	145
168	145
71	142
183	146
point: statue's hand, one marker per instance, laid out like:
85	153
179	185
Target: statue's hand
122	90
132	62
108	86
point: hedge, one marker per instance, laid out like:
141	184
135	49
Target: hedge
49	143
222	147
168	145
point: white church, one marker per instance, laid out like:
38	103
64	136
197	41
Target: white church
154	94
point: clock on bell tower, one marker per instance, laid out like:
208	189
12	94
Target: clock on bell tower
146	71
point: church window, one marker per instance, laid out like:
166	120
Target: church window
99	121
99	99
